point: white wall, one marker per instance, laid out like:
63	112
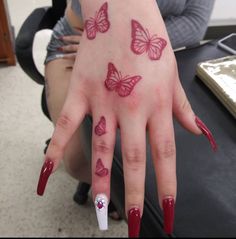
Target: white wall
224	10
20	9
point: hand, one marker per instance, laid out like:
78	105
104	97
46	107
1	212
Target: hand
120	84
71	46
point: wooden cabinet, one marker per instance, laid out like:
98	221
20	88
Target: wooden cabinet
6	36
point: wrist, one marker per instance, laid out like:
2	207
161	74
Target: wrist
122	9
120	13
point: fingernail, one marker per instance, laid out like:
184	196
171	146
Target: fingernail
79	29
206	132
101	205
44	175
168	205
134	220
59	49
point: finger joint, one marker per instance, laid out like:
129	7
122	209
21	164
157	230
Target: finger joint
166	150
102	147
64	122
134	158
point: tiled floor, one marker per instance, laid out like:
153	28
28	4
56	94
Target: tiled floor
23	131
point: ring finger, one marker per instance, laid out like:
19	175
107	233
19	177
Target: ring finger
164	157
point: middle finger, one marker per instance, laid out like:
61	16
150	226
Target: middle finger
103	142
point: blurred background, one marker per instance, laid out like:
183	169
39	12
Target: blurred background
24	130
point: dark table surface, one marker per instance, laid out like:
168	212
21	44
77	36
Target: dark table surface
206	200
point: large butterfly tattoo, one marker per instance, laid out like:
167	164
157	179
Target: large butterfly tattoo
99	23
142	42
122	85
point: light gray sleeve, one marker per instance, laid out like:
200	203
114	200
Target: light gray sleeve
75	5
190	27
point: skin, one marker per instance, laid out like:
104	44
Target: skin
58	72
149	106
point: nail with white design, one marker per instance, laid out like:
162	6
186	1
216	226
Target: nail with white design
101	205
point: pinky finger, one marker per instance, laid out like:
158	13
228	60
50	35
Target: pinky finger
185	115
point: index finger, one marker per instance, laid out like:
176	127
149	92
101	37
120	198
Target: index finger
72	38
67	123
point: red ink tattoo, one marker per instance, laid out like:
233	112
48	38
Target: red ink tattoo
99	23
142	42
100	128
122	85
100	170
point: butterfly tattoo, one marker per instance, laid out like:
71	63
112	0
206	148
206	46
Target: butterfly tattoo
143	42
100	128
99	23
100	170
122	85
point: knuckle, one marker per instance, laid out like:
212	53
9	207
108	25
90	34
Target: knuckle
134	158
133	104
185	106
55	145
102	147
64	122
166	150
162	101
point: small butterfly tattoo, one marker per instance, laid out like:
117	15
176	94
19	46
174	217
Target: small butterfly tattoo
100	170
100	128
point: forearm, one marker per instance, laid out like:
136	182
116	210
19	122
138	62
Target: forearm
118	8
121	36
122	12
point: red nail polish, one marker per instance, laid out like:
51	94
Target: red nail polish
134	220
59	49
169	213
206	132
44	175
79	29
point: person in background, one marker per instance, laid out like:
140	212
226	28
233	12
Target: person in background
114	60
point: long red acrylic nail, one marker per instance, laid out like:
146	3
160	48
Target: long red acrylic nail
168	205
206	132
134	220
44	175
